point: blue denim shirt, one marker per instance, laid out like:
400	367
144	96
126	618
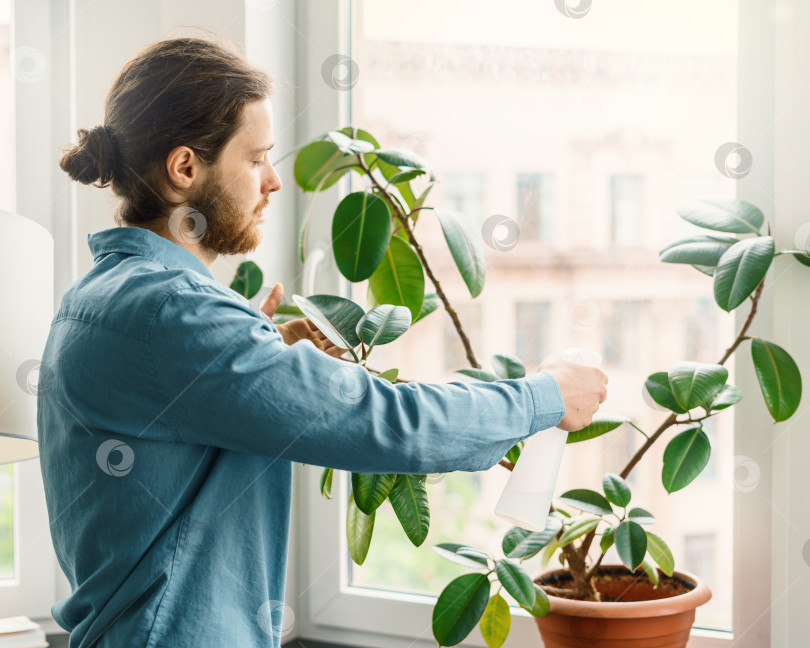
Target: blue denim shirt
169	415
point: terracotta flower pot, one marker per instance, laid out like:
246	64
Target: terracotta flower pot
642	617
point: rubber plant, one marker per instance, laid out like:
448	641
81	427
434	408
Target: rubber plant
373	238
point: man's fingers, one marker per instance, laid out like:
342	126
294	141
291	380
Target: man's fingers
273	300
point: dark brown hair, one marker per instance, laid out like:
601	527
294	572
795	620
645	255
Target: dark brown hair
183	91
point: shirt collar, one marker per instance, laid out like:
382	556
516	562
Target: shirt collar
145	243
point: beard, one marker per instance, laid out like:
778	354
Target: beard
225	232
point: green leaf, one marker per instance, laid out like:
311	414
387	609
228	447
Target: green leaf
547	552
508	366
523	544
779	378
371	489
696	383
726	398
616	490
349	146
430	304
741	269
326	482
463	555
390	375
707	270
248	279
607	539
684	458
660	553
631	543
361	231
704	250
577	530
641	516
541	604
496	622
514	453
409	499
459	608
359	133
721	214
601	424
334	316
516	581
466	247
586	500
652	572
801	256
406	176
660	391
478	374
359	528
399	279
319	165
383	324
404	159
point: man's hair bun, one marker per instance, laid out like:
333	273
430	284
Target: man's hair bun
92	159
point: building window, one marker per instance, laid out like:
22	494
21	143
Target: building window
701	331
454	355
464	193
626	203
532	331
620	335
535	206
698	555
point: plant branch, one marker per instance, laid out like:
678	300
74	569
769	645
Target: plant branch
403	219
746	325
506	464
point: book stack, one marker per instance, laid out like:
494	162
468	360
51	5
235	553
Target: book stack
21	632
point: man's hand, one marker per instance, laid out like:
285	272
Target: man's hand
583	390
298	329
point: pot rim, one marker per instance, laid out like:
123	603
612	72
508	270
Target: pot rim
699	595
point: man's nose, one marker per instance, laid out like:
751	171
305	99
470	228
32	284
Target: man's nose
272	182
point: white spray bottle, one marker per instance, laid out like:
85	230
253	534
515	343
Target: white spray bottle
526	499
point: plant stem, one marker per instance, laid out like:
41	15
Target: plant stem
403	219
506	464
672	418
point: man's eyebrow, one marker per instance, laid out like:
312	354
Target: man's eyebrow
262	149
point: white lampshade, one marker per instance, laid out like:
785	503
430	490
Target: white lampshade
26	291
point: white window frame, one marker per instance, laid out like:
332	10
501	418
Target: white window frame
768	540
46	28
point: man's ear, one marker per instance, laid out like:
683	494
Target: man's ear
184	169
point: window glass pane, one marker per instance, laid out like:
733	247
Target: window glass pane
7	470
587	132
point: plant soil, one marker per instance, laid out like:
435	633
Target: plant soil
618	584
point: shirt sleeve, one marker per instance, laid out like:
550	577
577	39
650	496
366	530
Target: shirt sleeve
229	380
